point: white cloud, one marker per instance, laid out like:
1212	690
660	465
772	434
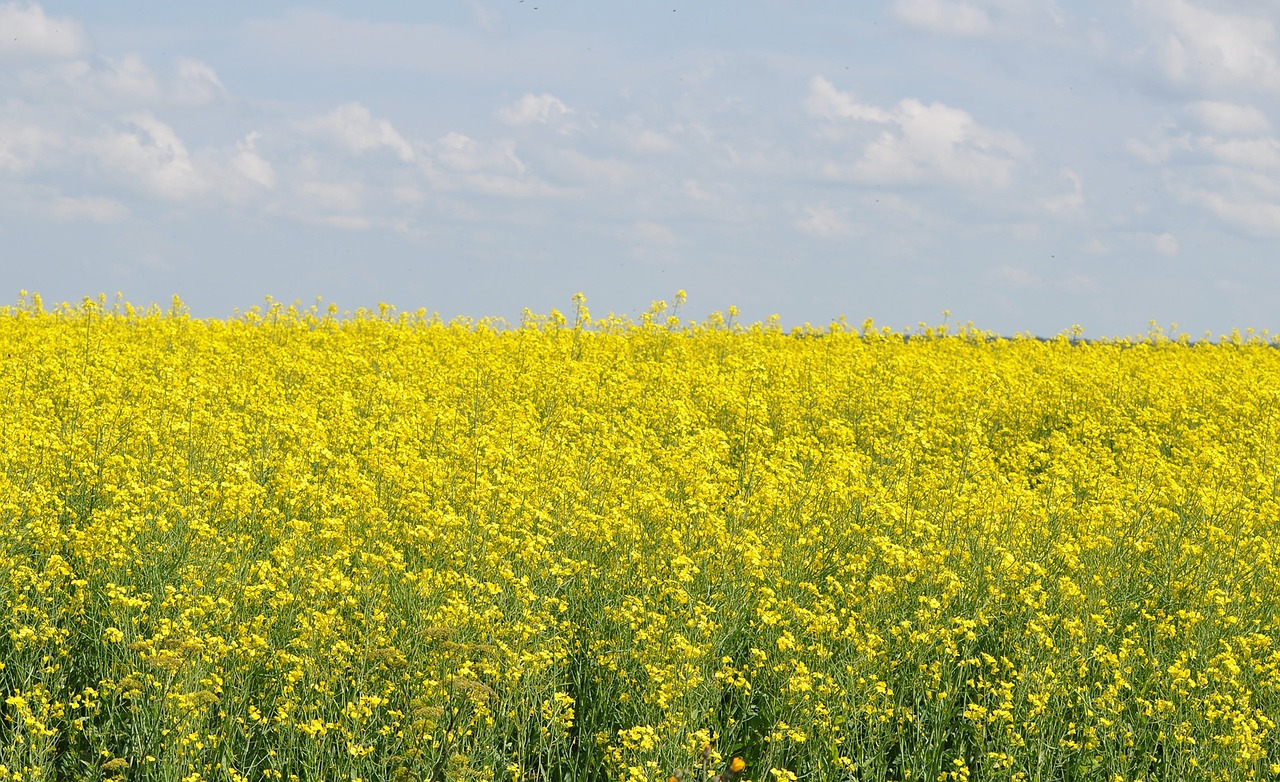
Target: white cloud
22	147
1064	280
93	208
582	169
348	222
485	17
106	80
694	191
825	222
1252	212
332	196
1078	283
975	18
1159	148
407	194
1247	149
196	82
655	233
152	154
1208	48
1025	231
1253	153
113	82
648	141
1229	118
534	110
507	186
1069	202
828	102
252	166
922	142
1019	277
312	37
463	153
139	154
25	31
1166	244
943	16
897	205
460	162
127	78
1228	285
353	126
1236	178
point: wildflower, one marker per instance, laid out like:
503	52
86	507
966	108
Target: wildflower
375	540
114	765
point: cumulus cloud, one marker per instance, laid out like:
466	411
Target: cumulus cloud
485	17
1025	231
313	37
654	233
1245	151
332	196
975	18
127	77
106	80
1251	153
534	110
1068	202
29	33
151	154
694	191
353	126
828	102
1018	276
943	16
252	166
1165	244
464	153
122	81
1255	212
463	163
196	82
407	194
919	142
1229	118
1158	148
651	142
582	169
1233	171
22	146
1063	280
92	208
825	222
1198	46
348	222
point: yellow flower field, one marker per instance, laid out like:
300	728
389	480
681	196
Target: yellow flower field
298	544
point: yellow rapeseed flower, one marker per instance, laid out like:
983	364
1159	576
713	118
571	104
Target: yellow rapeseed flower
305	538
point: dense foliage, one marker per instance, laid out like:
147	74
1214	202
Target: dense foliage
304	545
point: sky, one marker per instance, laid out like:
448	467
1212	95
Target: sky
1025	165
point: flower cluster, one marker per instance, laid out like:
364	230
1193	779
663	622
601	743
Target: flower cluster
302	544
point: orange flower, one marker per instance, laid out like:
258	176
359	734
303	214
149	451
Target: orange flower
737	764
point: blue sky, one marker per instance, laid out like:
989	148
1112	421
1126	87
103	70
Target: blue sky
1025	164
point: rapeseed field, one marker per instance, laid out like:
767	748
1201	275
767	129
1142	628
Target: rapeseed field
299	544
